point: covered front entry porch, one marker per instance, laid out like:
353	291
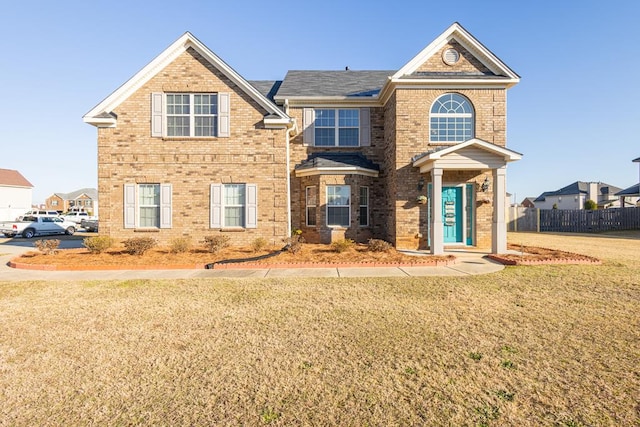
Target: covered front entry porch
454	208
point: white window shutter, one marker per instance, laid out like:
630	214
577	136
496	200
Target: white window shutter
165	205
129	206
251	220
157	114
308	124
365	127
224	130
215	220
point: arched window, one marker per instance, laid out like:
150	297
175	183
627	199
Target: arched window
451	119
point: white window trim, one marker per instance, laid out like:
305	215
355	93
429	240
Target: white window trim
470	115
159	122
314	190
360	206
132	206
191	115
339	206
337	127
217	207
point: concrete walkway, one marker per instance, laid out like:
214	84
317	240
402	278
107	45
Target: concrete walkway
468	263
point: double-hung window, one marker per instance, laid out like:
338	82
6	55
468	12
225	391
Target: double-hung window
234	206
190	115
337	127
338	205
311	203
147	205
364	206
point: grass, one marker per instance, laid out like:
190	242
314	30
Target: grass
387	351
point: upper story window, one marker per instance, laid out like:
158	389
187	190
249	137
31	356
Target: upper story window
337	127
451	119
190	115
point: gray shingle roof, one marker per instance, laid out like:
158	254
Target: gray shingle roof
337	160
266	87
634	190
347	83
91	192
579	187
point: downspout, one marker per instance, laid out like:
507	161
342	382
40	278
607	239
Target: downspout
292	130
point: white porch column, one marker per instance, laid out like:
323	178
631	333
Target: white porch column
499	226
436	229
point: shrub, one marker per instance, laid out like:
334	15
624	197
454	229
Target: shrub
342	245
216	243
47	247
139	245
294	243
97	244
180	245
590	205
259	244
378	245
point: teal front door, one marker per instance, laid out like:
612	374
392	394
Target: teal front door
452	214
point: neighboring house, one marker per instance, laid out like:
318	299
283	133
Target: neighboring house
574	195
16	194
631	196
188	147
84	200
528	202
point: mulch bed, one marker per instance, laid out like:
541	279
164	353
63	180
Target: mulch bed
532	255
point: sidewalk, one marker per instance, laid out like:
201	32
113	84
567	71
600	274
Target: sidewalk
468	263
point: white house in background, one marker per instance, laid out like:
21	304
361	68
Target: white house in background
16	194
631	196
574	195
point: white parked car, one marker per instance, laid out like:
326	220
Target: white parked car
77	217
37	226
37	212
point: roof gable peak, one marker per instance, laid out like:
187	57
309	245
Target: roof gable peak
181	45
458	34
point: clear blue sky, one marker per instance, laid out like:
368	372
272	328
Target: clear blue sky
575	114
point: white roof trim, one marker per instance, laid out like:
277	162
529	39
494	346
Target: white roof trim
505	153
178	47
462	36
354	170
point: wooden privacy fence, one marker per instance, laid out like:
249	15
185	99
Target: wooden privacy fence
576	221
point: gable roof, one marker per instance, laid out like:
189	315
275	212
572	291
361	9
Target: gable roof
579	187
634	190
13	178
96	116
465	39
332	84
90	192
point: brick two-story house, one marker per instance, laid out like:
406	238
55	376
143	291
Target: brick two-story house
415	156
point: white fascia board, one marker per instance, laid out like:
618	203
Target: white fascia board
337	171
328	101
507	154
277	123
178	47
100	122
454	83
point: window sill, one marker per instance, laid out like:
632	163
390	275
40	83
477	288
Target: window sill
188	138
233	230
146	230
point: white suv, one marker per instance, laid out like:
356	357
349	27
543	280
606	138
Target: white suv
37	212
